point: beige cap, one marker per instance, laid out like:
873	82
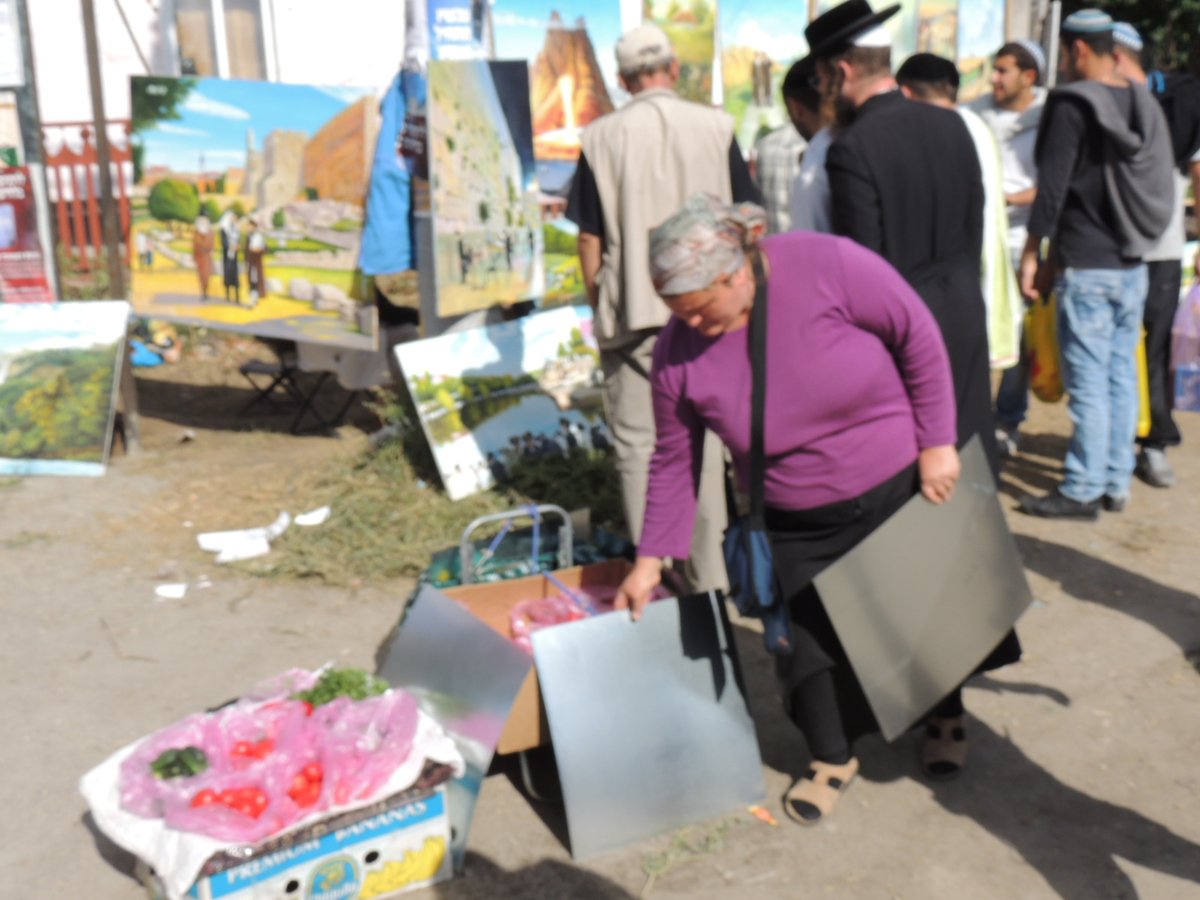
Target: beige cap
643	47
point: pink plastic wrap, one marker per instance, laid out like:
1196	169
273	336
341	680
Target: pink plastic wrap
272	763
533	615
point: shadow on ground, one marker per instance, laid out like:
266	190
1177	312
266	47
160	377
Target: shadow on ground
1173	612
225	408
1037	468
482	878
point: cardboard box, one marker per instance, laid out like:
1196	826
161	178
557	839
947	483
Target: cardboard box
397	845
491	602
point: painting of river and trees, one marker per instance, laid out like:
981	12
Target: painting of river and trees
58	374
497	398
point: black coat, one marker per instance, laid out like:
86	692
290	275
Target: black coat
905	182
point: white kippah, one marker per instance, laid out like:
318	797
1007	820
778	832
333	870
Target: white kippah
874	37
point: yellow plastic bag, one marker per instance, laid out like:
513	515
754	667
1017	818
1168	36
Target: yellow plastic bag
1143	375
1041	347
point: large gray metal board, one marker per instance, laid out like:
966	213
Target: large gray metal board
926	597
649	721
466	676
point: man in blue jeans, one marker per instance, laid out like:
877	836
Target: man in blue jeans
1105	194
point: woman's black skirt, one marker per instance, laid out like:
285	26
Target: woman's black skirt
804	543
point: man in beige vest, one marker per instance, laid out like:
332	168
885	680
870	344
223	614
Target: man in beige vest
638	166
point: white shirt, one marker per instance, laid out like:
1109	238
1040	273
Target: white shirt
1016	133
811	206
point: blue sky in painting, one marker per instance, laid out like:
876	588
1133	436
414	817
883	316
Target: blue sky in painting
509	348
216	114
26	327
520	28
771	26
980	27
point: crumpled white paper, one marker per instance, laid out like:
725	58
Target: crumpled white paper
243	543
177	856
315	517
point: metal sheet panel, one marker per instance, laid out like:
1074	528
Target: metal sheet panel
927	596
649	721
466	676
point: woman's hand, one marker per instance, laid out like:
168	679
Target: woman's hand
634	592
940	468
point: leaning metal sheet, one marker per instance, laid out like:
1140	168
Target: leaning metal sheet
923	600
649	721
466	676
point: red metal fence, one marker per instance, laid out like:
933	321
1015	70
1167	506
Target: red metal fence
73	180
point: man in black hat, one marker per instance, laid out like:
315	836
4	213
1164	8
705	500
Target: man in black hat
905	182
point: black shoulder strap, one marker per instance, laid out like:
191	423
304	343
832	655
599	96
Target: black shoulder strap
758	395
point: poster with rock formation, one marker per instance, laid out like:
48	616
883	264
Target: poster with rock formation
494	399
487	231
247	212
980	35
692	30
759	42
572	82
59	365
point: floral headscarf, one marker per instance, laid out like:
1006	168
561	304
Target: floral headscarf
700	243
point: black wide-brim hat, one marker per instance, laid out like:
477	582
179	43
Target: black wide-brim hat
834	32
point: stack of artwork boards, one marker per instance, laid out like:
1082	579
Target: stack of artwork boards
248	207
59	370
493	399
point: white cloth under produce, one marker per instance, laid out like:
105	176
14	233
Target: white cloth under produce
178	856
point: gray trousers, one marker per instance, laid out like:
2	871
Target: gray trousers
630	412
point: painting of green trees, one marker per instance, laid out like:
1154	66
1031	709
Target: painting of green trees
55	404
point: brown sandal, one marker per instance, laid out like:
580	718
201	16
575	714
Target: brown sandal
944	747
815	795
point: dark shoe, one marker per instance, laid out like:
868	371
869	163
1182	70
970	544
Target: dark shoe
1152	467
1113	504
1008	440
1057	506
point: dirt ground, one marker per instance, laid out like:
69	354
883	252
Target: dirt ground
1083	780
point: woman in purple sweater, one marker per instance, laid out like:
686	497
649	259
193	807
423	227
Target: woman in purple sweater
860	415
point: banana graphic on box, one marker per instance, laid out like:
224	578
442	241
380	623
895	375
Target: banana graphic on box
415	867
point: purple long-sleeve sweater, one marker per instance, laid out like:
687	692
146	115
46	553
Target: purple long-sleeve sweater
858	381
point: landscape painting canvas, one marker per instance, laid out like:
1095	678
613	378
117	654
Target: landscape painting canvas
759	43
937	28
980	35
247	213
692	30
495	398
483	186
572	82
59	365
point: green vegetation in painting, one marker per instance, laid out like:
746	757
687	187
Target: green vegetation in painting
55	404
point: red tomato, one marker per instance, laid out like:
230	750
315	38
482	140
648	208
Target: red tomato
262	749
313	772
206	797
299	783
308	708
240	748
228	797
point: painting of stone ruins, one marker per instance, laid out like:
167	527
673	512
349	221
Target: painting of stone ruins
247	212
483	186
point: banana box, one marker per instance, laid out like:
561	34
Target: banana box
397	845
